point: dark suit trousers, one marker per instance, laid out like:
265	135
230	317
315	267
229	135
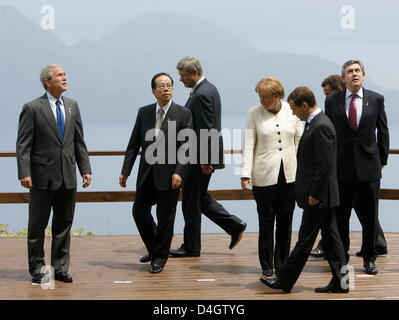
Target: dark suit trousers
366	206
156	237
275	203
314	219
196	199
62	201
381	242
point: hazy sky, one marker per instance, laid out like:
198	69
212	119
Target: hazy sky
305	26
76	20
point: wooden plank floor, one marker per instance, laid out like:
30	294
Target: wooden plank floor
100	260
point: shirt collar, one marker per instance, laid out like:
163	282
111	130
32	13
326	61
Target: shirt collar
52	100
349	93
313	115
197	84
165	108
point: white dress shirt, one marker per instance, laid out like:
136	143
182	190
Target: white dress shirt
269	139
312	115
52	101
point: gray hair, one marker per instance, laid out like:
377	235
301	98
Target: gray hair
47	73
190	64
350	62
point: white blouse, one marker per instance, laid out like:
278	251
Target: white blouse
269	139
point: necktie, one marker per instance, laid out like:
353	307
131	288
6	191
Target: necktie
353	112
159	119
60	119
306	125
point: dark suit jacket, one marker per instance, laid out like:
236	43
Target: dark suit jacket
42	154
162	172
360	152
317	164
206	108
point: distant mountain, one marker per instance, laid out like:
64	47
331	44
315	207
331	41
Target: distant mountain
111	77
25	48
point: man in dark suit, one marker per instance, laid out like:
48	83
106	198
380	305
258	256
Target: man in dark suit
360	121
205	105
49	145
332	84
161	169
316	191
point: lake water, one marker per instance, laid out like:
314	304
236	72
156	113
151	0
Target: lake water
116	218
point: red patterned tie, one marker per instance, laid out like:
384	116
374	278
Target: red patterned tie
353	112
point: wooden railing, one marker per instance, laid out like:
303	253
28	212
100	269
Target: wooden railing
129	196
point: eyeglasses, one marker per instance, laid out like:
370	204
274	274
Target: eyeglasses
164	86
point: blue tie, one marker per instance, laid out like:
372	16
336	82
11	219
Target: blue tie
60	119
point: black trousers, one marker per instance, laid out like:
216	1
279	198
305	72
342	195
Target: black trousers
366	195
62	201
380	244
196	200
274	203
314	219
157	237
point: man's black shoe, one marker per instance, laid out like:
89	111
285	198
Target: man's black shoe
145	258
180	253
37	277
64	277
331	288
155	268
267	272
370	267
317	253
236	237
274	283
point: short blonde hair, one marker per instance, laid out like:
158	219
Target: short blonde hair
271	84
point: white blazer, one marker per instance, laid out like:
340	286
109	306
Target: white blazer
268	139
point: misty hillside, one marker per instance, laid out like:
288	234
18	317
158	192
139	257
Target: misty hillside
111	77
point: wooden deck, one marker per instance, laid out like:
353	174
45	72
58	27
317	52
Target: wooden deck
219	274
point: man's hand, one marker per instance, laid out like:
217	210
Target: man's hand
176	181
246	184
207	169
86	180
26	182
122	180
313	201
